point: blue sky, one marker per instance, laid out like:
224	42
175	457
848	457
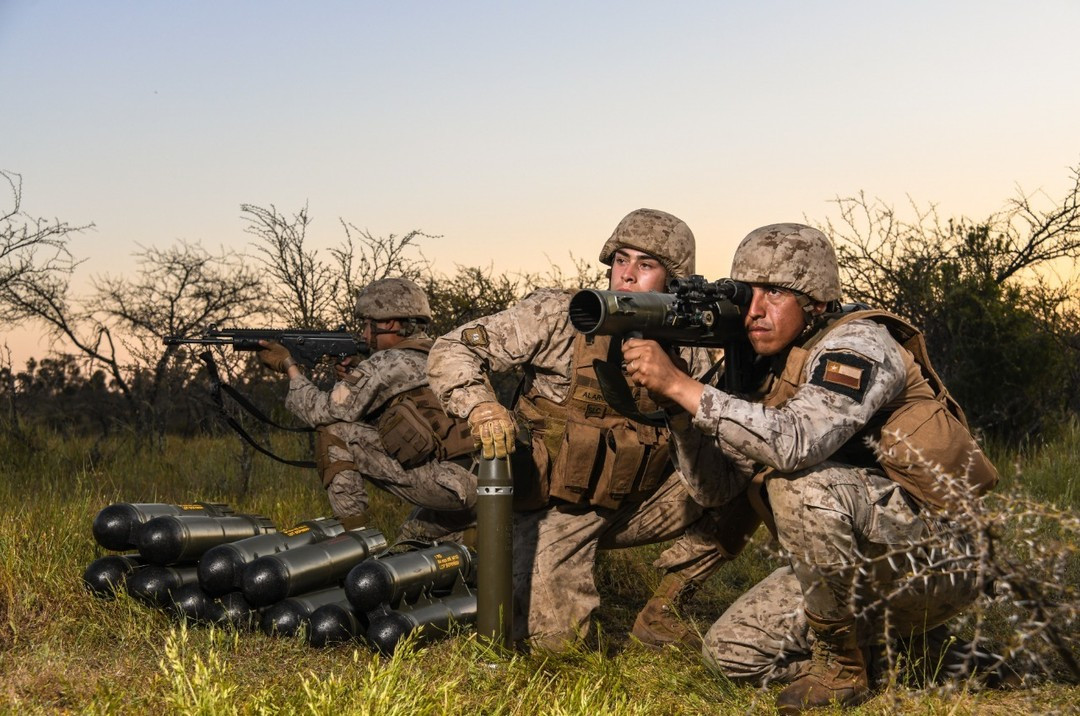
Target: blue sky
521	132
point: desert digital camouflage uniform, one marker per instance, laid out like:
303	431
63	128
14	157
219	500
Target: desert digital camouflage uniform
555	547
855	537
444	492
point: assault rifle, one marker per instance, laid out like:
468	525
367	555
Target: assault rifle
694	312
306	347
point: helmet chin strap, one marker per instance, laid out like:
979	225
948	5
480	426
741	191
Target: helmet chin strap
409	326
807	305
812	319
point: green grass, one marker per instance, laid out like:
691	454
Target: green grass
64	651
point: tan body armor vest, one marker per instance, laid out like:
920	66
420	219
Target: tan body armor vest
413	426
585	452
921	438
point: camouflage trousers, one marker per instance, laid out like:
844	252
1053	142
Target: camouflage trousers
555	552
443	492
858	546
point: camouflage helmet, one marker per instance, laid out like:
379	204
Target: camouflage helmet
792	256
392	298
664	237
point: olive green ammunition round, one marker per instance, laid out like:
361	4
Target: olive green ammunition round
154	585
221	568
190	603
288	616
392	578
495	539
180	538
336	624
429	620
232	610
274	577
105	576
116	526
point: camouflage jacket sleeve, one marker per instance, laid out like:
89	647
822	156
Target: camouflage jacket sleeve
713	474
698	361
850	375
365	389
535	332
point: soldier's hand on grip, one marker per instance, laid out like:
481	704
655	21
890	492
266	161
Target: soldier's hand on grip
275	356
493	429
342	368
651	367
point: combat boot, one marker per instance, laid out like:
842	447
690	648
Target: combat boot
659	624
837	672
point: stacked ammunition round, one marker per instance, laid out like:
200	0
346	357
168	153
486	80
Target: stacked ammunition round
428	621
289	616
221	568
154	584
276	577
182	538
336	623
105	576
115	526
394	578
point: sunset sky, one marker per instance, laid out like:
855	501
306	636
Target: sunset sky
522	132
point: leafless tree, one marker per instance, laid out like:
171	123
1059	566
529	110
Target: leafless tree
471	293
32	250
996	297
892	261
10	421
300	286
307	291
362	258
584	274
119	328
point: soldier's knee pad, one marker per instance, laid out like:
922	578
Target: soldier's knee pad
325	464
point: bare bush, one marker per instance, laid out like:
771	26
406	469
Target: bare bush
120	326
1000	322
1023	555
33	251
